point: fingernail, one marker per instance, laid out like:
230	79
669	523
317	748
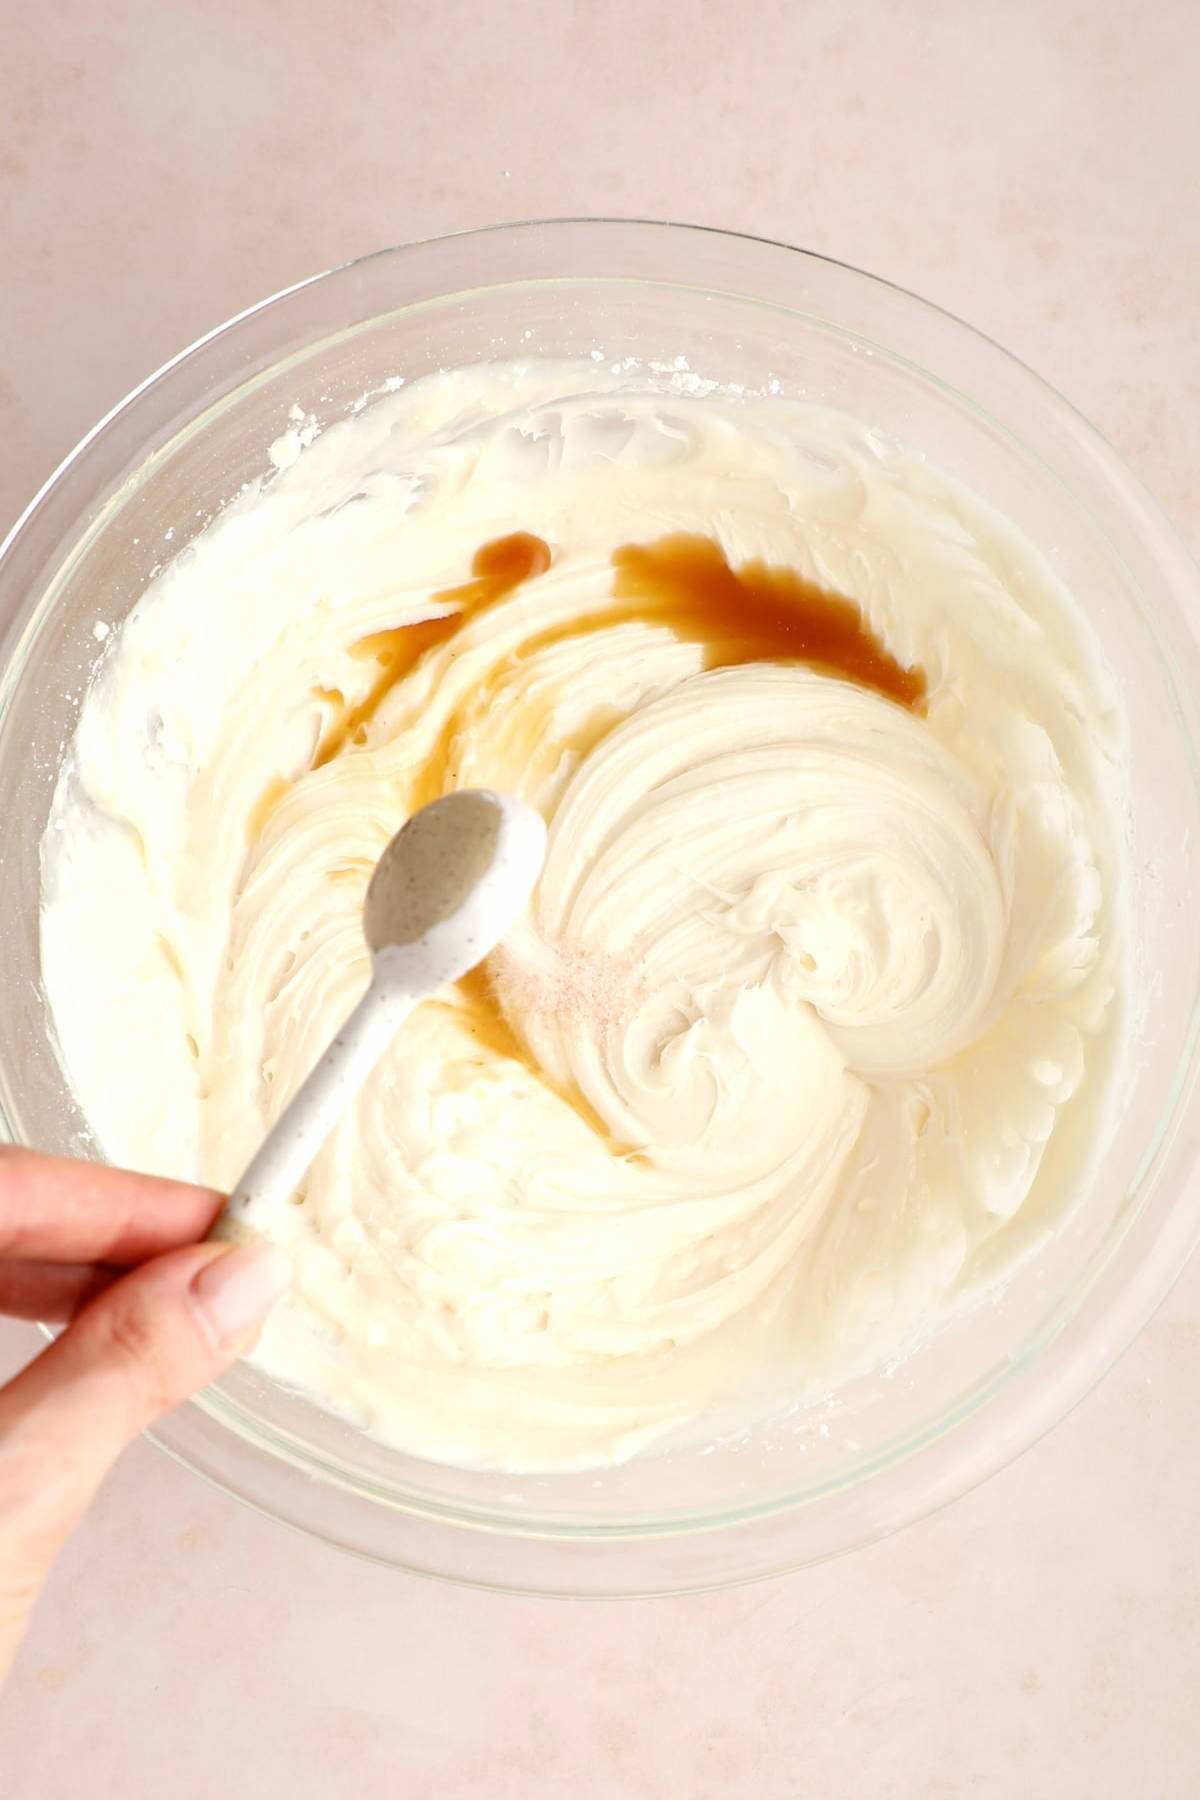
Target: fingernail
234	1292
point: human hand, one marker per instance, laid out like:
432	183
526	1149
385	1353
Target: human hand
152	1314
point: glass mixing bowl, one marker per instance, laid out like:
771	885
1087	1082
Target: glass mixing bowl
894	1446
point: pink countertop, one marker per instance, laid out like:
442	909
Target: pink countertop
1034	167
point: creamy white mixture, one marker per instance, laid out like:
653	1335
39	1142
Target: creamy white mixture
807	985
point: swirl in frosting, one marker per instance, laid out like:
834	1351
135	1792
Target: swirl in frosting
824	954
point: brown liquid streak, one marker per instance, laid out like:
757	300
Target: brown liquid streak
496	570
754	614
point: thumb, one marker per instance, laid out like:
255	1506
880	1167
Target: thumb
143	1345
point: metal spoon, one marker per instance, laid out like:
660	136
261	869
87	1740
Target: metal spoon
444	892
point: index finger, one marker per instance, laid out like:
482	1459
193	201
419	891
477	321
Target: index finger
55	1209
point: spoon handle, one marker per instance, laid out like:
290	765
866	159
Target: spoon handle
311	1113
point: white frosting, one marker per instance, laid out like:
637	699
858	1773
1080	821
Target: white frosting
806	985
